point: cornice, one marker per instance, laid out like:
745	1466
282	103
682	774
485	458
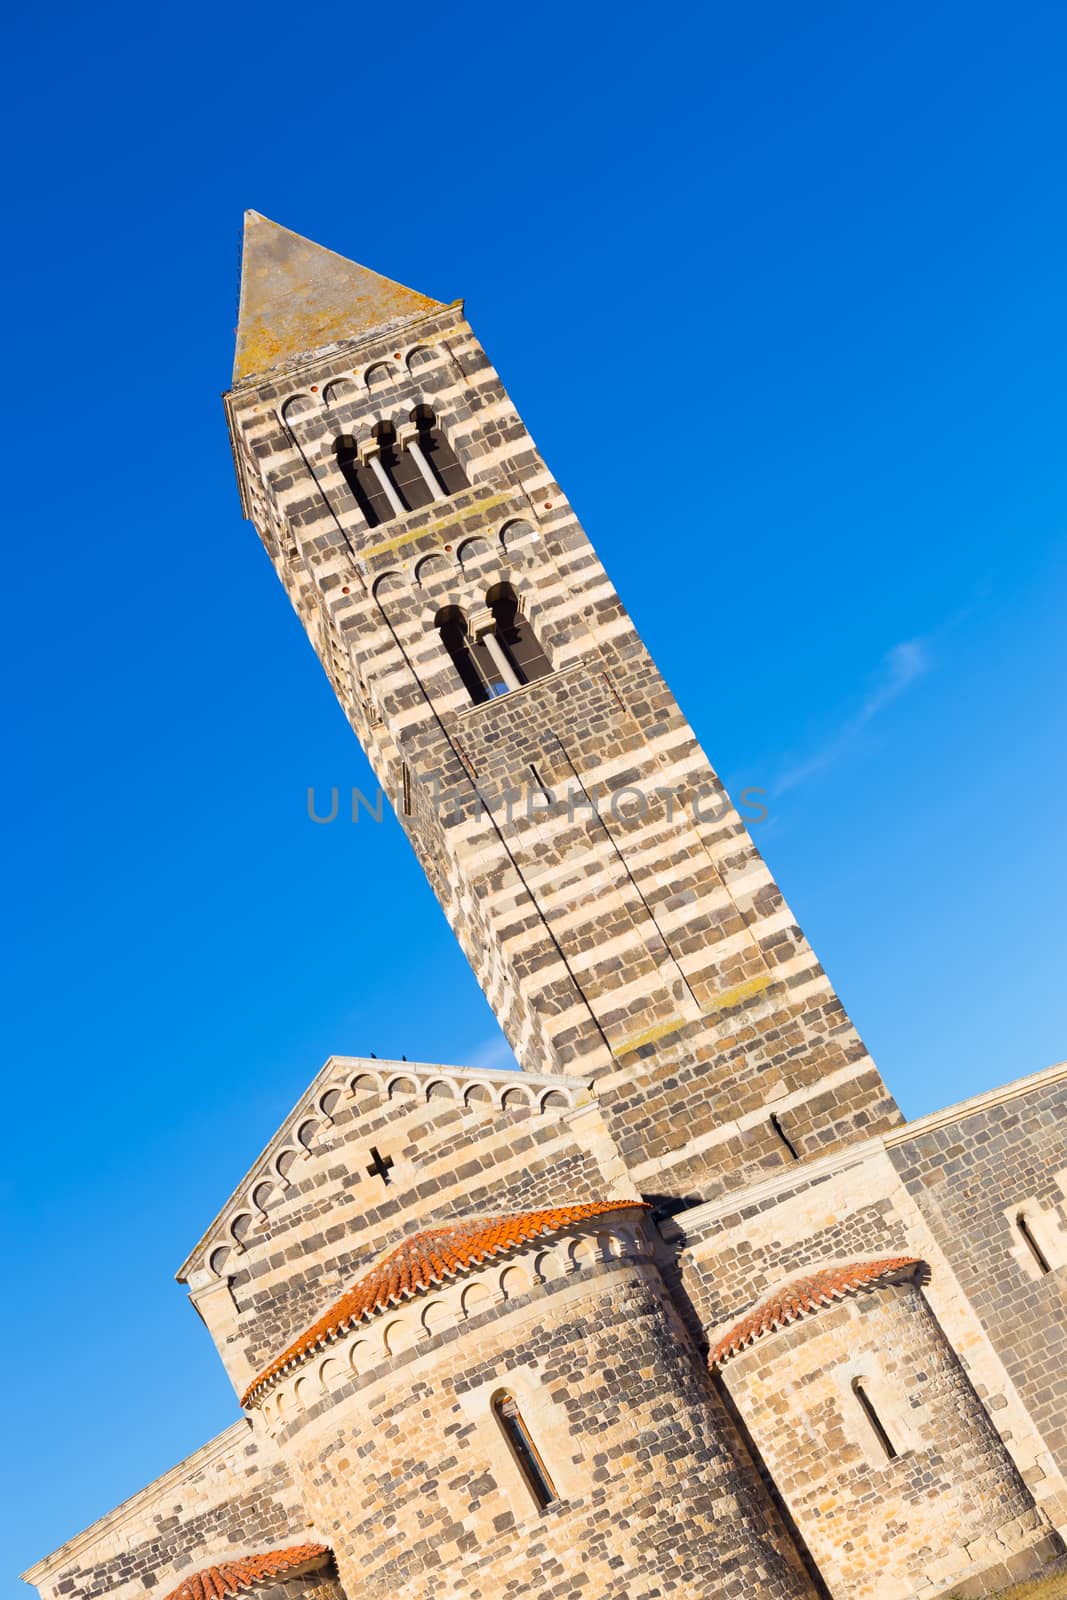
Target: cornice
986	1101
336	1073
690	1224
310	362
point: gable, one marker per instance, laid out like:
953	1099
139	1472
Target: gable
374	1151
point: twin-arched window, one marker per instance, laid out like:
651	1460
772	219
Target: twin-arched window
400	473
493	650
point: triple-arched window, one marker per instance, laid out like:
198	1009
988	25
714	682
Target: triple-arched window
399	472
493	650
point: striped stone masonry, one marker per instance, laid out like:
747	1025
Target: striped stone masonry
602	885
682	1307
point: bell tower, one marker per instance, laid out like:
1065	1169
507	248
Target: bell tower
604	889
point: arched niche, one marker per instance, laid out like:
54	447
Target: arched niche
514	1282
340	390
431	567
436	1314
390	583
583	1254
548	1266
475	1298
298	405
472	551
517	536
422	355
398	1335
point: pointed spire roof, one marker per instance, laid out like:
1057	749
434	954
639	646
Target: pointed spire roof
297	297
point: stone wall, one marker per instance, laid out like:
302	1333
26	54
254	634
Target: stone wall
233	1497
973	1176
299	1230
926	1499
679	1040
647	944
322	1584
732	1253
405	1469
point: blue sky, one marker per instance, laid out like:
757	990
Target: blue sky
824	246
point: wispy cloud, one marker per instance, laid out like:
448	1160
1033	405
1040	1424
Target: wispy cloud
902	666
491	1055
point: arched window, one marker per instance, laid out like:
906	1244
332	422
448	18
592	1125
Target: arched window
874	1421
526	1454
452	626
1025	1227
437	451
383	463
496	650
414	478
515	636
396	478
367	491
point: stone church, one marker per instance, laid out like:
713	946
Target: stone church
684	1307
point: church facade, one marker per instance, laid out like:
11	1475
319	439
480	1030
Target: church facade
682	1308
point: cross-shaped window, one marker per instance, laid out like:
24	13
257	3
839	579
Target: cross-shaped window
380	1166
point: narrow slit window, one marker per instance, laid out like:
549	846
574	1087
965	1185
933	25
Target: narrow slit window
874	1421
526	1454
794	1153
1022	1222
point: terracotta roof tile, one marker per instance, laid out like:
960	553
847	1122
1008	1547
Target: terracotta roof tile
804	1295
246	1572
425	1261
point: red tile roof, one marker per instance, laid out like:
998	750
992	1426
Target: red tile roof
804	1295
423	1262
246	1572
